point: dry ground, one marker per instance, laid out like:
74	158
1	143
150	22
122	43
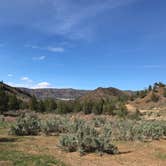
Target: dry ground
149	114
132	153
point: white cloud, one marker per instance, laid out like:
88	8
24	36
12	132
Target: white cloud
42	85
28	84
55	49
26	79
10	75
48	48
39	58
16	84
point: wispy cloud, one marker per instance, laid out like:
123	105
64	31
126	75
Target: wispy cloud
28	84
48	48
26	79
132	67
42	85
66	18
55	49
39	58
10	75
17	85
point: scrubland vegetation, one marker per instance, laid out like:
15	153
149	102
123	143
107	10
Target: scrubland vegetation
111	123
95	135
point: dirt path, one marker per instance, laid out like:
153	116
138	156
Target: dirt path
130	108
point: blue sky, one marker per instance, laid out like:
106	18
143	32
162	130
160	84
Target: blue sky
83	44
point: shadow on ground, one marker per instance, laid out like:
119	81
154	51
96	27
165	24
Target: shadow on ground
4	139
126	152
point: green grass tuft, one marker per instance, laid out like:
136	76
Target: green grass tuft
161	156
21	159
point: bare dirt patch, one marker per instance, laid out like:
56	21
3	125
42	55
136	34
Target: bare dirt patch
132	153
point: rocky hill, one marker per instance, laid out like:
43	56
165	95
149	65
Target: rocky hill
63	94
105	94
153	97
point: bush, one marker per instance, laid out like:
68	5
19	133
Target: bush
97	108
121	110
122	130
64	107
143	93
87	139
2	118
108	108
164	93
135	115
55	126
150	130
138	130
74	126
27	124
98	121
154	97
87	107
69	142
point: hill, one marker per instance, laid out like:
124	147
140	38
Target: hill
153	97
22	95
62	94
105	94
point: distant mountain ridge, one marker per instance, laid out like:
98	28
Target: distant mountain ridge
153	97
63	94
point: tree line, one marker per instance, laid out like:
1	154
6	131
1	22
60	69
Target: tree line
10	102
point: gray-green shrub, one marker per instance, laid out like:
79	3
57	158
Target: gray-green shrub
87	139
99	121
150	130
27	124
138	130
69	142
55	126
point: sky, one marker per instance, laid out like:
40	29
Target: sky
82	44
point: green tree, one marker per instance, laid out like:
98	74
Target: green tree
154	97
23	105
97	107
87	107
33	104
121	110
13	103
108	108
150	88
50	105
164	93
143	93
160	84
77	106
3	101
63	107
41	106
